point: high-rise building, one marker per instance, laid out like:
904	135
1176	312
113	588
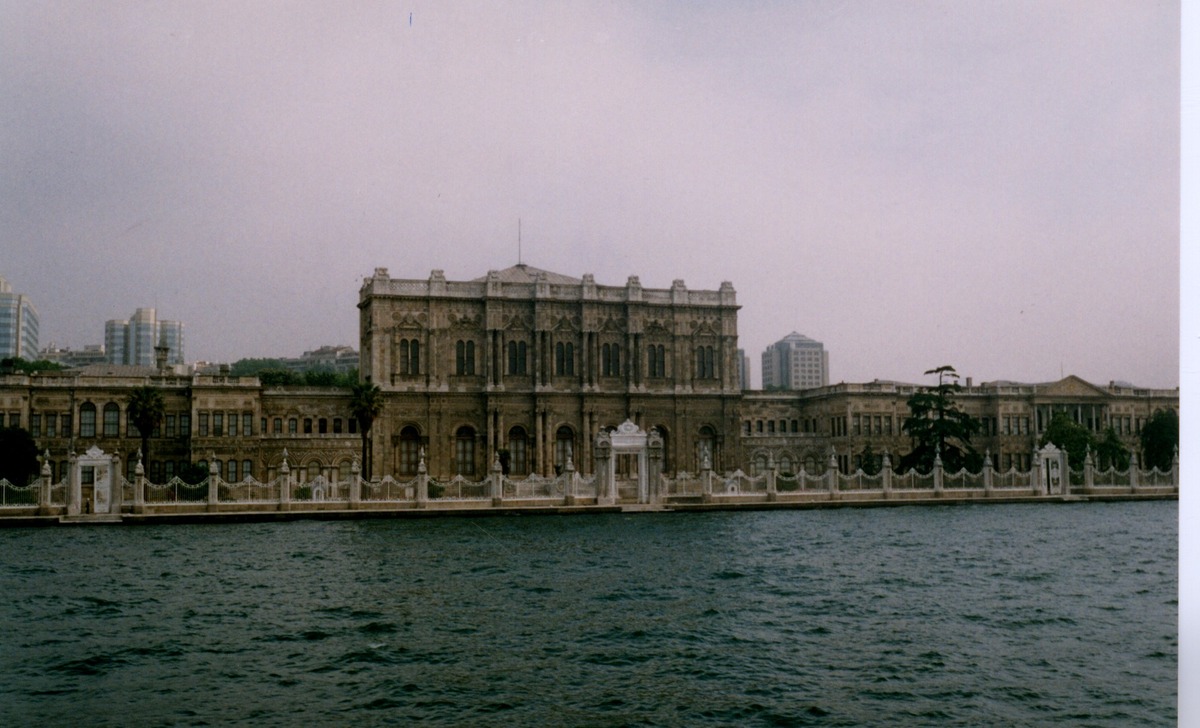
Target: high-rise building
18	324
743	369
795	362
132	341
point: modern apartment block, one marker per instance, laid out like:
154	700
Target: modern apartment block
131	342
18	324
795	362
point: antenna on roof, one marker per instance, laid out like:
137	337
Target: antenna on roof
518	241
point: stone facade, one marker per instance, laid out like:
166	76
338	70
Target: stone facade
536	364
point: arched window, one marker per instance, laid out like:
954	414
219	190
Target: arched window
518	451
706	443
410	450
564	359
564	445
464	451
657	360
517	351
87	420
785	465
410	356
705	363
610	359
464	358
112	420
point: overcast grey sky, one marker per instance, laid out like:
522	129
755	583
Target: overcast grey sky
989	185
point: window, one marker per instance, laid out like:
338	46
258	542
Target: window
410	356
410	450
185	425
518	451
610	360
277	425
770	427
202	425
795	427
464	358
857	429
247	469
657	360
705	363
323	426
247	423
564	359
168	470
233	423
218	424
517	351
564	444
292	422
35	425
337	425
231	471
307	425
52	425
112	419
170	425
464	451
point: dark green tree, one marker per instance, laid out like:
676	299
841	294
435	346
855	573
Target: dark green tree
366	404
24	366
871	462
279	378
251	367
1068	435
18	455
937	426
193	473
146	411
1160	439
1111	452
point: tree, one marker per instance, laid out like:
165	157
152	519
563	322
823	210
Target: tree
1160	440
19	364
146	410
938	427
366	404
1070	436
1111	452
18	456
193	473
871	463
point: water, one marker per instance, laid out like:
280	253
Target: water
974	615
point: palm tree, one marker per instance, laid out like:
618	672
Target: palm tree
146	409
366	403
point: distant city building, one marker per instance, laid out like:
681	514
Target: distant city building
72	359
339	359
18	324
132	342
743	369
795	362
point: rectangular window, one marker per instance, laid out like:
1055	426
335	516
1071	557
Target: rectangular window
185	424
112	421
770	427
233	422
218	424
277	426
202	425
247	469
307	425
857	429
247	423
292	425
170	421
35	425
169	469
231	471
52	425
337	425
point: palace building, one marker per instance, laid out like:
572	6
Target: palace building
528	367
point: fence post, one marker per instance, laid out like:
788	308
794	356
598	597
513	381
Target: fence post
44	488
285	484
1089	475
1134	468
355	484
422	481
831	473
1035	474
772	488
987	472
1175	469
497	480
139	485
938	474
569	483
887	473
74	487
214	479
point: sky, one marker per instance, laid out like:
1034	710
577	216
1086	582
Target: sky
994	186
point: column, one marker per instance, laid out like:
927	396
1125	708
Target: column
938	474
139	485
355	484
285	484
44	489
74	488
213	479
772	489
422	481
987	472
831	473
887	473
1088	474
496	479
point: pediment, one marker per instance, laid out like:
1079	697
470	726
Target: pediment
1071	386
704	328
518	322
408	320
566	323
612	326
